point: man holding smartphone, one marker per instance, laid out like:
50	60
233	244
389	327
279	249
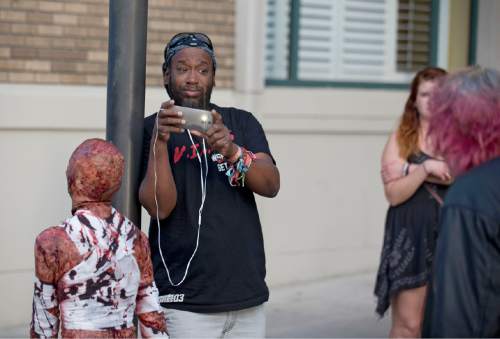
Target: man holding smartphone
205	235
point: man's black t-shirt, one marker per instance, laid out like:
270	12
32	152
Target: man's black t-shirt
228	271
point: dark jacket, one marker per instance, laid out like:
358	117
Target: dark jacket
464	294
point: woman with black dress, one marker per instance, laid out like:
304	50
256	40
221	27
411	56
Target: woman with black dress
415	181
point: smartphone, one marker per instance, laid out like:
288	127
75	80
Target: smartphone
197	119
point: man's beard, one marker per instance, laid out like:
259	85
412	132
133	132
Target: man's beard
201	102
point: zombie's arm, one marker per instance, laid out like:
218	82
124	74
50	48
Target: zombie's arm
45	317
151	319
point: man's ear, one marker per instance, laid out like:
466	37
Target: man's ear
166	76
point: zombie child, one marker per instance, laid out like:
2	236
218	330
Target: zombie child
93	271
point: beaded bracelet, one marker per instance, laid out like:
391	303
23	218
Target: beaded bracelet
235	156
237	170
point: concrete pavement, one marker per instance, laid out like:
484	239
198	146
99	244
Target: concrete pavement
338	307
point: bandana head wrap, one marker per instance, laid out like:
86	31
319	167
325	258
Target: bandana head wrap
184	40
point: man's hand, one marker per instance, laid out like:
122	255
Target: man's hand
169	121
263	177
219	138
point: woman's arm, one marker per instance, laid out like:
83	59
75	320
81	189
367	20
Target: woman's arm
435	180
401	188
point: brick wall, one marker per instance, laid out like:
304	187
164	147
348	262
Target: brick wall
66	41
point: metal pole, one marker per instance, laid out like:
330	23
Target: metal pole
125	97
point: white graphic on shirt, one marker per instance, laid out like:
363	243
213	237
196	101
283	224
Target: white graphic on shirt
172	298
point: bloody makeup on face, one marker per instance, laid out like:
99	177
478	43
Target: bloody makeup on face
93	271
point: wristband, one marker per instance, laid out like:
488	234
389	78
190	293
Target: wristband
237	170
235	156
406	169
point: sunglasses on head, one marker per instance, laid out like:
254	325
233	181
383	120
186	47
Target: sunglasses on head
193	39
187	38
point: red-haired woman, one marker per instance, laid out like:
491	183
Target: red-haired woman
464	300
415	180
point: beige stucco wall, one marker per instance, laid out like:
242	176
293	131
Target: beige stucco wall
488	40
327	219
458	45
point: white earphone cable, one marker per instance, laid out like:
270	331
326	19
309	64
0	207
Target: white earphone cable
203	196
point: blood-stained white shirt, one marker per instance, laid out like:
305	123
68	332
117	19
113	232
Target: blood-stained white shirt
94	274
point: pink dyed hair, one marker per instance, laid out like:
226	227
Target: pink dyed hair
465	119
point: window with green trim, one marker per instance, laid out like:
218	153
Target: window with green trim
348	42
414	34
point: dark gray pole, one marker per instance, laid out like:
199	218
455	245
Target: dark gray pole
125	99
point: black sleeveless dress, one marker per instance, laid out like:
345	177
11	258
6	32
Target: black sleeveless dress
409	242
